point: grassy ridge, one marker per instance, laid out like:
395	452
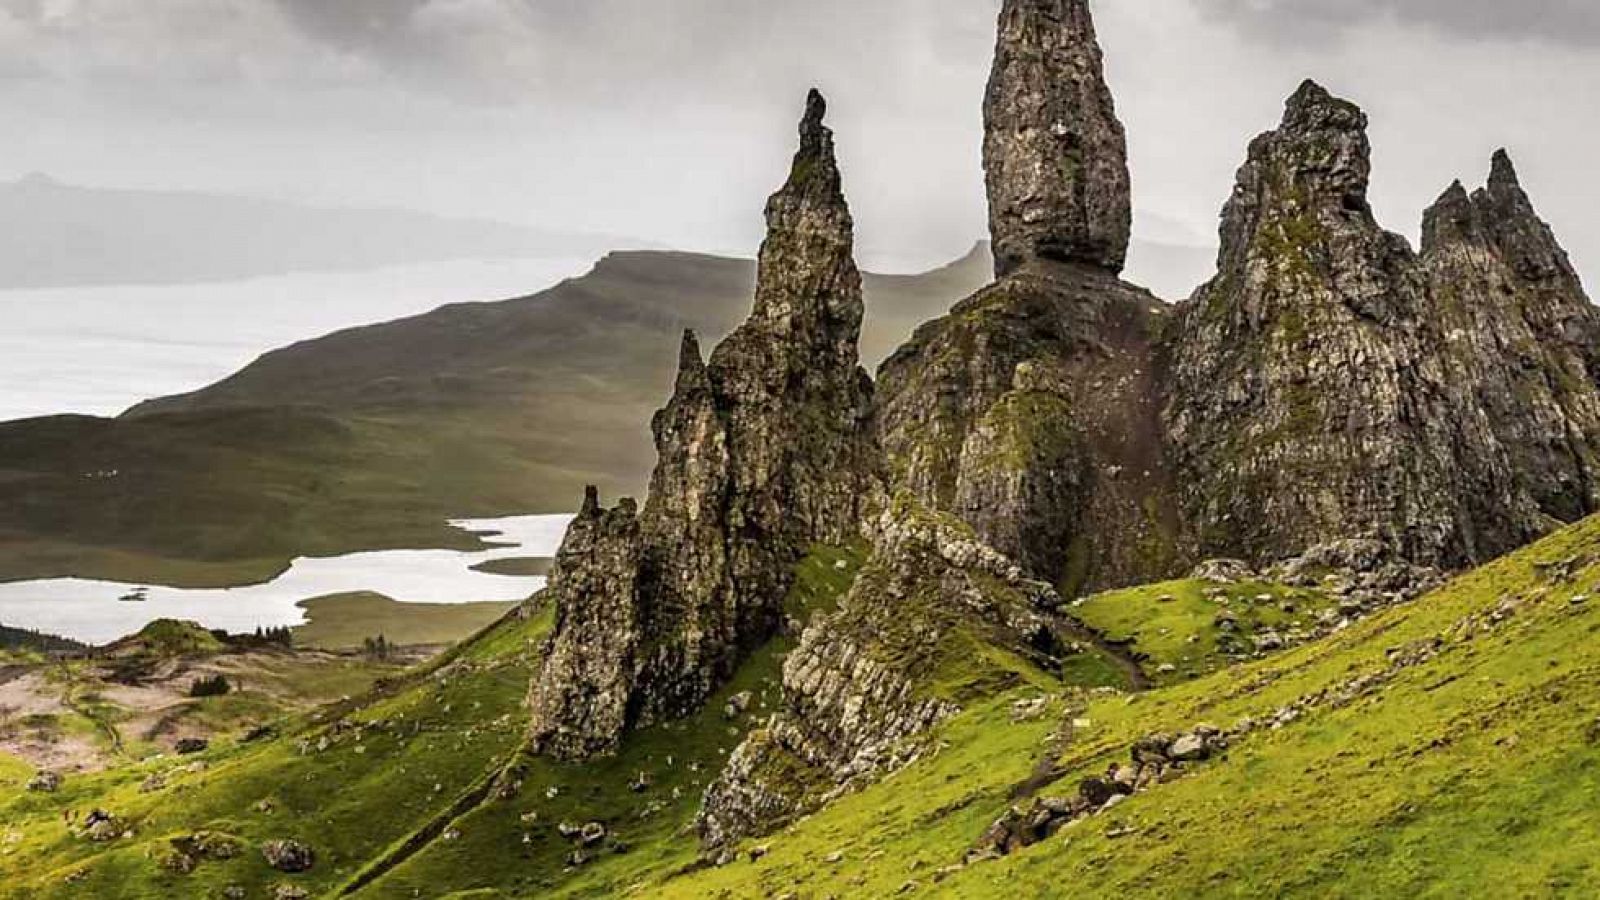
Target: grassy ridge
344	621
1432	750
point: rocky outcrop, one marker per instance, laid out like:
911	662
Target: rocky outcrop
288	856
596	581
1521	338
900	655
762	451
1330	384
1333	408
1032	411
1055	153
1307	403
1022	439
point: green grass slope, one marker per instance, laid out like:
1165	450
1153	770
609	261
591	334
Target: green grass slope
1447	747
1181	629
348	780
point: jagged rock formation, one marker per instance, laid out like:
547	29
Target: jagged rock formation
762	452
1032	410
1055	153
894	660
1330	392
597	572
1331	384
1521	336
1332	399
1022	434
1306	402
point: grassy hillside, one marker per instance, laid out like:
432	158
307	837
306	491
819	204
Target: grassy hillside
345	621
371	438
1436	750
1433	749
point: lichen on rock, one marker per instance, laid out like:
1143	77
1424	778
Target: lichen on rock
866	682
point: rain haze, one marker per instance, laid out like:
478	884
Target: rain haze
669	121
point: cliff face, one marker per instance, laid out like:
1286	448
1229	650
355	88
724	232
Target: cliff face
1022	434
1521	337
761	453
1032	412
1307	401
907	645
1330	383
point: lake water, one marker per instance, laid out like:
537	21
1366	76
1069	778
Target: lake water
91	611
100	350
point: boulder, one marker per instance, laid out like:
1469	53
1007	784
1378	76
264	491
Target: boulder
288	856
591	834
1190	748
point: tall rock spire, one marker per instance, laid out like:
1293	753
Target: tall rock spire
762	451
1055	154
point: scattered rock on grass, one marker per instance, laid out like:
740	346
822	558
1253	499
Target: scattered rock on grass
288	856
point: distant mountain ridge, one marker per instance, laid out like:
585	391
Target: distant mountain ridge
65	235
371	438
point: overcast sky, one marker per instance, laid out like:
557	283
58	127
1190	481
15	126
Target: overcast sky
671	120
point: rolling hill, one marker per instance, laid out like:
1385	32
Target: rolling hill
371	438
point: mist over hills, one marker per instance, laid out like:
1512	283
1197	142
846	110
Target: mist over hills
65	235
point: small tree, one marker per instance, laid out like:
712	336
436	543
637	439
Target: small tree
377	648
213	686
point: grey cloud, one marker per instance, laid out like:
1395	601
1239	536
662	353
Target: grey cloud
1572	22
504	50
618	48
354	22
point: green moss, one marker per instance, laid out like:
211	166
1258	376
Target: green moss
1080	566
1023	429
823	578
